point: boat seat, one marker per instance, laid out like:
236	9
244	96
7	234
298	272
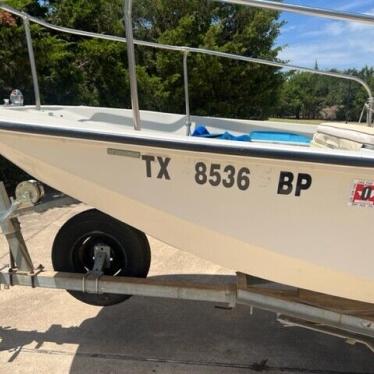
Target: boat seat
343	136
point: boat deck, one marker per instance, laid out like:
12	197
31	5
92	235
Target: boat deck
111	120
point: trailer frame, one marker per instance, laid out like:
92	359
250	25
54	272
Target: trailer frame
343	318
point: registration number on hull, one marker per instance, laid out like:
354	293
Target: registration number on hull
226	175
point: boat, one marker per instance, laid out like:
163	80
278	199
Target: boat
293	205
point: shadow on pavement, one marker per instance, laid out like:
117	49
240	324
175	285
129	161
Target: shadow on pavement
193	334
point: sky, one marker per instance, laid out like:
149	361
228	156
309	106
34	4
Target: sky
333	44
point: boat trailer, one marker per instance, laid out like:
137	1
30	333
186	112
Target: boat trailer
343	318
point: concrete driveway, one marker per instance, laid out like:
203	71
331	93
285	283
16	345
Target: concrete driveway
47	331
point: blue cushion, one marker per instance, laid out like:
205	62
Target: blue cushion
283	137
254	136
201	131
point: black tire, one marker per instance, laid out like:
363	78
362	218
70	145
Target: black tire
73	251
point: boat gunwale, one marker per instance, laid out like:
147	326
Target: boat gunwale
215	147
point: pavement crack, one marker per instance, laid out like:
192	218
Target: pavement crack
261	366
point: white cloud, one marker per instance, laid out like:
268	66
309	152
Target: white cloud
335	45
334	28
306	55
354	5
288	28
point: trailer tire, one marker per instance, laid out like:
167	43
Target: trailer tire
73	251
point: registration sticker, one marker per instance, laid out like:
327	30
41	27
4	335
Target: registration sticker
363	194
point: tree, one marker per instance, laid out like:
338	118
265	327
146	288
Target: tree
302	95
79	70
218	86
305	95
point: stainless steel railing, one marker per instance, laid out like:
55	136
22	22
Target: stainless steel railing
186	50
26	23
300	9
260	4
132	64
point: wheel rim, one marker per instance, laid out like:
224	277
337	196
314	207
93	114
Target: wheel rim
83	253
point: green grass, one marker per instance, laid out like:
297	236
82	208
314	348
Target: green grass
307	121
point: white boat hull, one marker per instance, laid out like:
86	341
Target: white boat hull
316	241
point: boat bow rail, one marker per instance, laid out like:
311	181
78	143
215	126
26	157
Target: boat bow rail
185	50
